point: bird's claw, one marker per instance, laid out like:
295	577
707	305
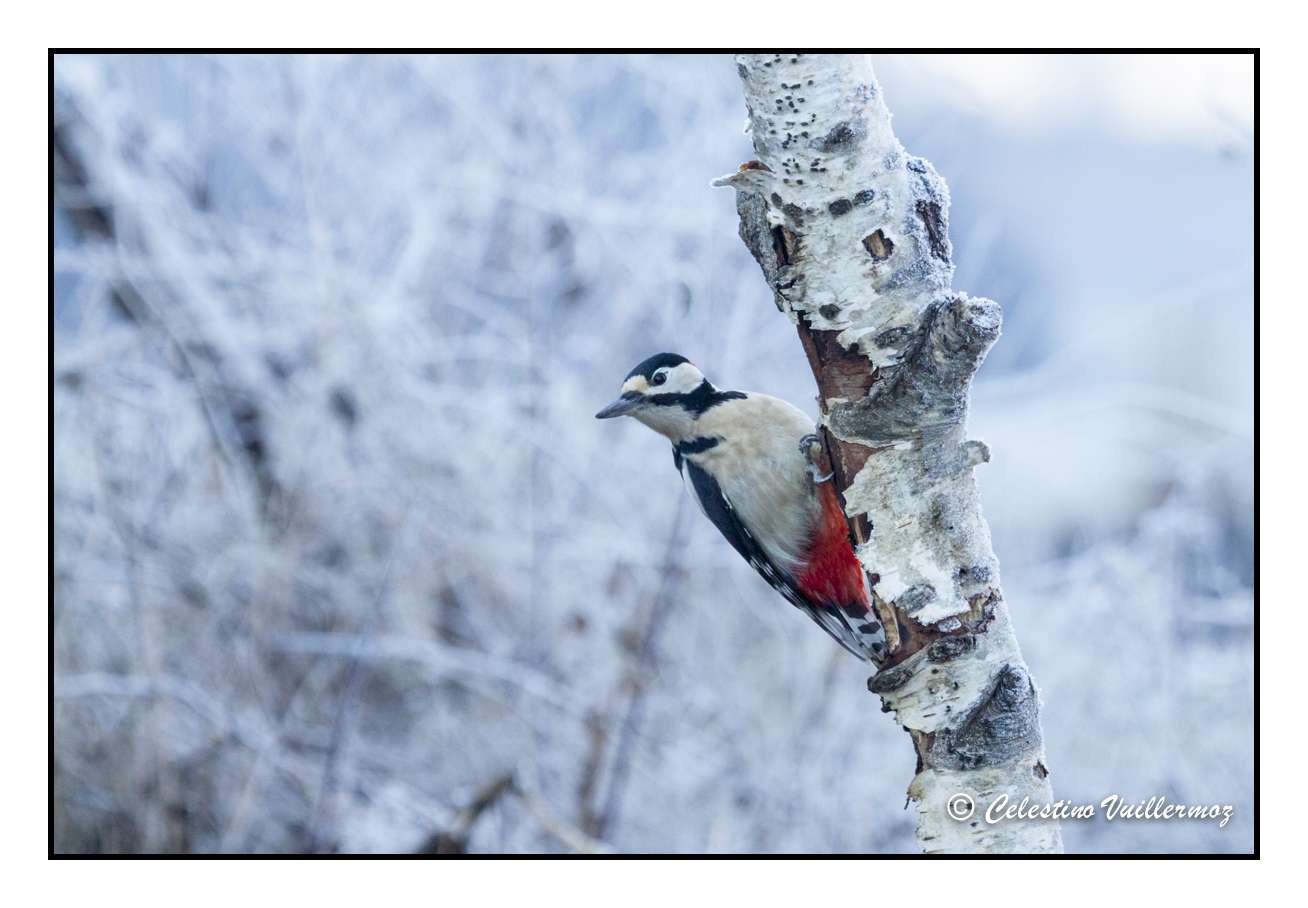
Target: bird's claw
811	447
817	477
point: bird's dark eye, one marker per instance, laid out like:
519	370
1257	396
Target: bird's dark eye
659	378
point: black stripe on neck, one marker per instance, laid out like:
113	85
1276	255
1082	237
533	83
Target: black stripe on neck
692	446
703	398
697	445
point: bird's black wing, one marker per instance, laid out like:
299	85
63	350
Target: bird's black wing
717	507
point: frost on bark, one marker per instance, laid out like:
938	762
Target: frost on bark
852	234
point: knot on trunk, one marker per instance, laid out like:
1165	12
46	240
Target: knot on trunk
1002	726
925	395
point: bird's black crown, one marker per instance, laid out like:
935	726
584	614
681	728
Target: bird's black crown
656	362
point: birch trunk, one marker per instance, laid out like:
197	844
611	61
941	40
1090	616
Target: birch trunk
852	234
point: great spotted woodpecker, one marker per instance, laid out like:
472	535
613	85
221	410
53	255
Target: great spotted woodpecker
746	459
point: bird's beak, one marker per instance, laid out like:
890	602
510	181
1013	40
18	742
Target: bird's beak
622	406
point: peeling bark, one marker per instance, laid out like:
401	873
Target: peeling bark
852	234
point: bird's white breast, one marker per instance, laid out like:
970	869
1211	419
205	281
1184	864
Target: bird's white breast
760	469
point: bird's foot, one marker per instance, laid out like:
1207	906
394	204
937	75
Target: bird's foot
811	447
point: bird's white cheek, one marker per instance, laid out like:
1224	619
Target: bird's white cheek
682	380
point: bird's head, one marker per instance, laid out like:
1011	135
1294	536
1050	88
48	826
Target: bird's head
662	392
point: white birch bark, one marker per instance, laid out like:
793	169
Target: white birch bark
852	234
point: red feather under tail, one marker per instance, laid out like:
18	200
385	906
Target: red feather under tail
832	574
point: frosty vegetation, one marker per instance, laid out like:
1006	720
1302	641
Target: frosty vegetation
343	563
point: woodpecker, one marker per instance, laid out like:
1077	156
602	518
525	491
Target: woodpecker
746	459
